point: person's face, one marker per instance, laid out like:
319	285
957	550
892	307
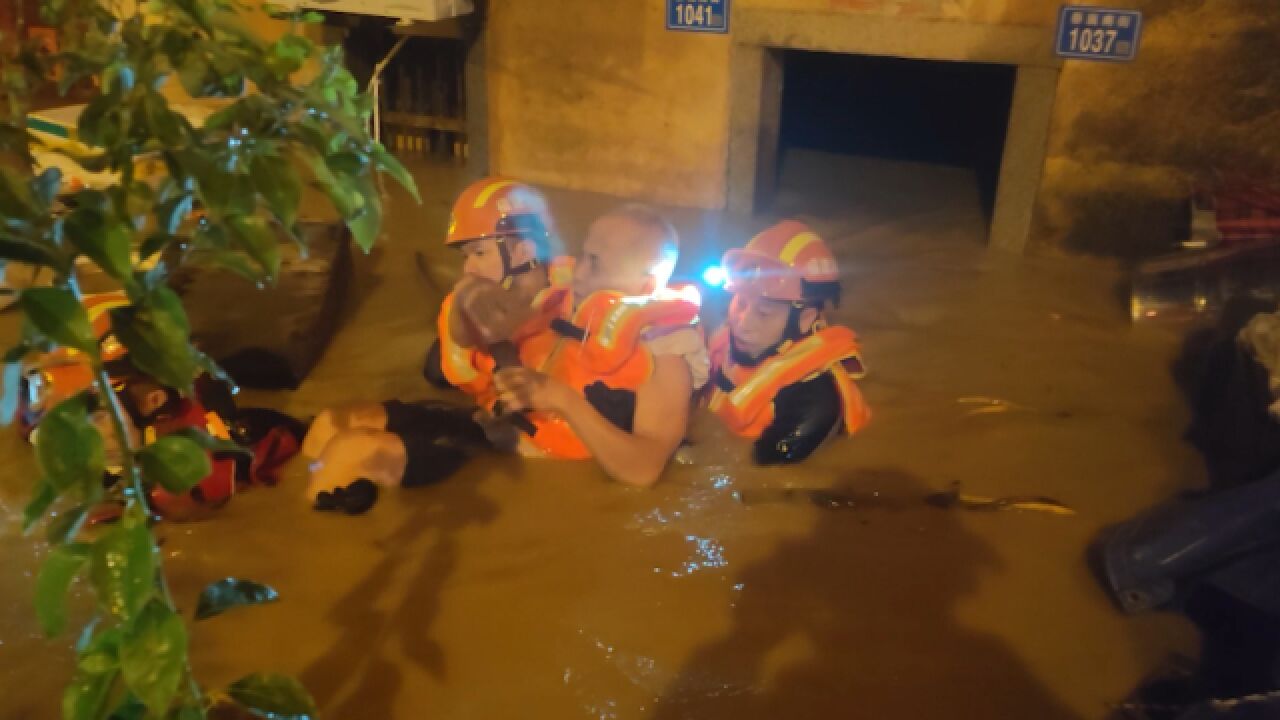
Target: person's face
483	259
609	262
147	397
759	323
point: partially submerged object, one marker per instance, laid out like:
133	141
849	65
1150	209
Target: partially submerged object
1197	284
1229	538
952	498
270	438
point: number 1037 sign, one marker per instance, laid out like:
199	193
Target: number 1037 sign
1095	33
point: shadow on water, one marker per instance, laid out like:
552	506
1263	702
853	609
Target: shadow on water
386	618
857	618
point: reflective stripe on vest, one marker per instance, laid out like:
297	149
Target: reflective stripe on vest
462	366
471	370
746	406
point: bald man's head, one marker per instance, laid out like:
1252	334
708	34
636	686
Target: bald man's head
631	249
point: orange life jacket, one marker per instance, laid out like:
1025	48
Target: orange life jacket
604	343
471	369
747	407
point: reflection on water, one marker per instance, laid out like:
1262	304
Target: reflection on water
539	590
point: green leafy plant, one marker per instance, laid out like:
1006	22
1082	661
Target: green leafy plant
228	194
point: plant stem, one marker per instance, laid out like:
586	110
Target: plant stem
117	413
129	467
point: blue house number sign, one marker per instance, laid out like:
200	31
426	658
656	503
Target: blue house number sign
708	16
1095	33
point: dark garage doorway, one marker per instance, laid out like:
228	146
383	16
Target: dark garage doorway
944	113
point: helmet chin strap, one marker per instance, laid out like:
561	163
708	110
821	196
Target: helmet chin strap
508	271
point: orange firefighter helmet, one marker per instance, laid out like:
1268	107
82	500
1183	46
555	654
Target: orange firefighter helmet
500	208
785	262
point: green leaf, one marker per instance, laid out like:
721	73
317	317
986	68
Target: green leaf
286	55
345	199
131	709
230	592
165	124
194	162
279	697
107	245
70	449
55	578
56	313
347	163
28	252
122	568
94	125
176	462
138	200
367	222
16	142
16	200
255	238
67	524
194	75
39	504
389	164
153	654
99	662
209	236
85	698
236	262
156	333
228	193
277	181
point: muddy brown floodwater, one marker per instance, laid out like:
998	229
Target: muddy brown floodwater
540	590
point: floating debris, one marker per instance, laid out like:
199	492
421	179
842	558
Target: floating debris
953	498
820	497
989	405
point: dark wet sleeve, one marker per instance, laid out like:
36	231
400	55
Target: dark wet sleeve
433	370
804	415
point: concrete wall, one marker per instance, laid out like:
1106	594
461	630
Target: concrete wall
1004	12
599	96
1202	98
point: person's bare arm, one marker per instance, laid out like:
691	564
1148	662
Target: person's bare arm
635	458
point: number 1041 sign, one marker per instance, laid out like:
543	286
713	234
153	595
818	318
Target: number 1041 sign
708	16
1095	33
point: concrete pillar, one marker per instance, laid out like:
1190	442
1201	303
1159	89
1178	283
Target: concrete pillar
746	86
477	110
1024	151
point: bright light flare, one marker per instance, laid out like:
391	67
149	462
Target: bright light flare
715	276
